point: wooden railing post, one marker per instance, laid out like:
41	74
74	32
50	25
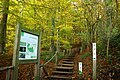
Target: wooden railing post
8	74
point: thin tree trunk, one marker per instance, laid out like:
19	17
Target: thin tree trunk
3	25
52	34
108	40
117	12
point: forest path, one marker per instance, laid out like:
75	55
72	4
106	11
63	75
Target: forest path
64	70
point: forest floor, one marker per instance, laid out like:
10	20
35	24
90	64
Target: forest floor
87	65
104	70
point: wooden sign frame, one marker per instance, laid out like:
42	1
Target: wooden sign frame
16	54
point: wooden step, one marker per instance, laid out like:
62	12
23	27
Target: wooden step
62	72
60	77
67	62
67	65
67	59
65	68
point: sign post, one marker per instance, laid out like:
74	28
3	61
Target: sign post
26	50
94	61
80	69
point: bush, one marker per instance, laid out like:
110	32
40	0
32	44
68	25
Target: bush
46	55
85	55
115	46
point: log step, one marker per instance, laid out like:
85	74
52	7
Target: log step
67	62
61	72
60	77
67	65
67	59
64	68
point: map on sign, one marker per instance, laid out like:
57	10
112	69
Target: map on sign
28	46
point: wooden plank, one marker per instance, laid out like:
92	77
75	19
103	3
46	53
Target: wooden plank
59	77
67	59
6	68
66	68
67	62
61	72
69	65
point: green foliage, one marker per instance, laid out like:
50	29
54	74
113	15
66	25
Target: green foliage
47	55
66	44
114	43
85	36
66	30
75	19
85	55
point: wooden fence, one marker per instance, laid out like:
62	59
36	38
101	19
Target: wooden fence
8	71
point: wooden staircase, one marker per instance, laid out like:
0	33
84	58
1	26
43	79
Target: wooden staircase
63	71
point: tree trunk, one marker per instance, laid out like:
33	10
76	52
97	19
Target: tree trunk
52	34
108	35
3	25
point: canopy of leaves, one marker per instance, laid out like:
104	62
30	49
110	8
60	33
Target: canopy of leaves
75	20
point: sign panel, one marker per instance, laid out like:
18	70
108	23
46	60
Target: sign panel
80	68
28	46
94	51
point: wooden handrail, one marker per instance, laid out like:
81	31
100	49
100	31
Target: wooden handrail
6	68
8	72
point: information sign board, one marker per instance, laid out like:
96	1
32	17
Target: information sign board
28	46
